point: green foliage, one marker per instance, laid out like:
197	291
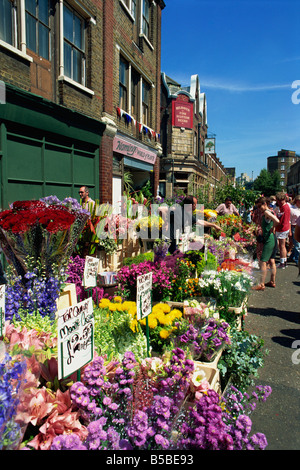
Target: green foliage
138	259
198	259
239	196
35	321
114	336
267	183
241	360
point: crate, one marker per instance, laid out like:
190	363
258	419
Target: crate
67	297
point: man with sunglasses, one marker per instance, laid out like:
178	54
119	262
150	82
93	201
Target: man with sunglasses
86	201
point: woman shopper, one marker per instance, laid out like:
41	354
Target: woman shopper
268	222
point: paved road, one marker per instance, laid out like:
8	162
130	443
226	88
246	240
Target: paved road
275	316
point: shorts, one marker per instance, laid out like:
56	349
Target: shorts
280	235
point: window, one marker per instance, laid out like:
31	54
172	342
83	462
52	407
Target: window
134	92
282	175
146	18
8	22
282	167
145	103
37	27
74	45
131	5
123	84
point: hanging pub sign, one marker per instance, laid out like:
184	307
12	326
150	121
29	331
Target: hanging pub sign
2	310
210	145
144	295
182	112
75	337
90	271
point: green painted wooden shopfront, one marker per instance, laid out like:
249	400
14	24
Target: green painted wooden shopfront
45	149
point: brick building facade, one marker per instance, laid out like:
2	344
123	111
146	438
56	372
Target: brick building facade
61	64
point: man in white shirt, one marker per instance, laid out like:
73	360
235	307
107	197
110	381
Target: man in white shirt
227	208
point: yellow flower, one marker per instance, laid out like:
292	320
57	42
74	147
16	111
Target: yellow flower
104	303
133	325
164	334
165	320
175	313
152	322
112	307
117	298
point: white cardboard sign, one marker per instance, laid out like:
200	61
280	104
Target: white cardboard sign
75	337
143	295
90	271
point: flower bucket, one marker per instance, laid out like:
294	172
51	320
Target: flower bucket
239	310
212	375
179	305
213	362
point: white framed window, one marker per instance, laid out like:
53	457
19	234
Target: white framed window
146	102
37	27
73	23
130	6
8	22
146	18
134	91
123	84
74	45
13	27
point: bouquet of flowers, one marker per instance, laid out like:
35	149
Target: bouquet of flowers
203	342
11	374
161	279
45	230
229	288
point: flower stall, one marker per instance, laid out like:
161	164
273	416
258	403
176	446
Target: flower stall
188	391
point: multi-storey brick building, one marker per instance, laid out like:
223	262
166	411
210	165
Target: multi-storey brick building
282	162
186	163
82	90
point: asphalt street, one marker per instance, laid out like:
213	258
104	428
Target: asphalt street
274	315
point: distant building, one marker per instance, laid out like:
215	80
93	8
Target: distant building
282	162
244	178
293	178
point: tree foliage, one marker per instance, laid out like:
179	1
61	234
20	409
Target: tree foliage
267	183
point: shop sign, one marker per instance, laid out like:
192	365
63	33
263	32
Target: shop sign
131	149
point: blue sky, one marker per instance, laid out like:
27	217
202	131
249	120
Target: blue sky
247	56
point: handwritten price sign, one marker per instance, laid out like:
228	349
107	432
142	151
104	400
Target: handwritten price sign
143	295
75	338
90	271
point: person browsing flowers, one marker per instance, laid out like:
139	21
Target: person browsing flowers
268	222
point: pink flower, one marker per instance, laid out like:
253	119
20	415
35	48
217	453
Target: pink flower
56	425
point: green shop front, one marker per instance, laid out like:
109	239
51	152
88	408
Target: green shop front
45	149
